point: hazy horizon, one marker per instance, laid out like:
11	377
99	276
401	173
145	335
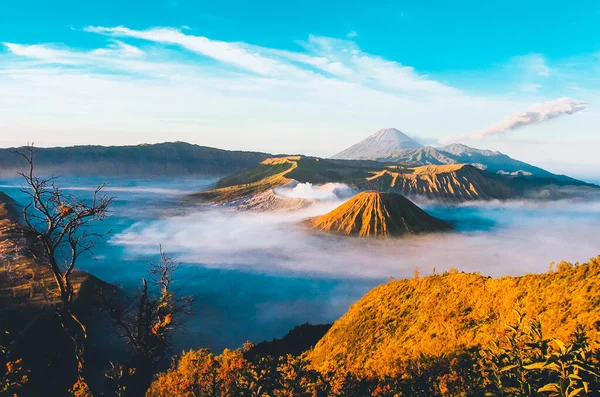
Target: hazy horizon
573	170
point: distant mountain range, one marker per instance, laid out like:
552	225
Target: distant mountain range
162	159
391	145
183	159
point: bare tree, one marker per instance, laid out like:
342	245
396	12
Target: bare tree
146	322
57	227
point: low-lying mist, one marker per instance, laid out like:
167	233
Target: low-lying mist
327	191
494	238
257	275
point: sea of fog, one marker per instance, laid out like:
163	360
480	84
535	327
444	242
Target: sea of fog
257	275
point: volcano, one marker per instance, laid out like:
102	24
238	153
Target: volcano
376	214
382	144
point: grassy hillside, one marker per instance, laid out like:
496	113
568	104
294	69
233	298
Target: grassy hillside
162	159
375	214
269	174
456	182
440	314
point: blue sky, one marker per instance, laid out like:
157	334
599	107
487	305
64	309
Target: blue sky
309	77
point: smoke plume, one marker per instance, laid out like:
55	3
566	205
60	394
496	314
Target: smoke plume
538	113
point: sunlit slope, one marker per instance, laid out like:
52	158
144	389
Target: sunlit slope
269	174
376	214
8	209
444	182
439	314
21	276
456	182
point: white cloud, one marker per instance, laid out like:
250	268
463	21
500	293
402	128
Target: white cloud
536	114
120	48
530	87
41	52
316	100
374	71
333	56
112	53
233	53
534	64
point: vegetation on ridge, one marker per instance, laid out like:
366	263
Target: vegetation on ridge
440	314
396	342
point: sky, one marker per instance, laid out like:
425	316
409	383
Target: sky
308	77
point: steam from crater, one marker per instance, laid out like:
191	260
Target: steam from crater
326	192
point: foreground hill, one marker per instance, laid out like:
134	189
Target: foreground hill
440	314
391	145
161	159
375	214
253	188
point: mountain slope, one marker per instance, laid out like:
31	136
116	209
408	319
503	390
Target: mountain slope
375	214
457	182
496	162
9	209
161	159
380	145
251	188
269	174
441	314
402	149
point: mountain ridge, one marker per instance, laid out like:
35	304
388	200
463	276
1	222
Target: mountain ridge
159	159
444	313
444	183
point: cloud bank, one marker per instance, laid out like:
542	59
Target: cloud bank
495	239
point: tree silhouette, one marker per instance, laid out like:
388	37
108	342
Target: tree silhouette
146	323
57	228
